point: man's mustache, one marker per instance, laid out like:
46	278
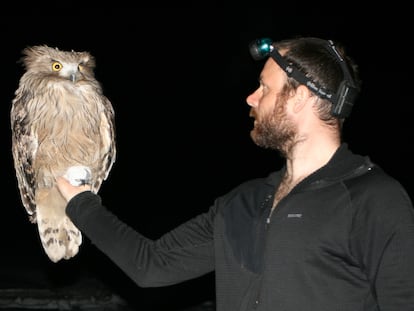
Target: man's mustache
252	113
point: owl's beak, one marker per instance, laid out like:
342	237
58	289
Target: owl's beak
73	77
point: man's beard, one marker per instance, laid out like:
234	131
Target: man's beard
274	131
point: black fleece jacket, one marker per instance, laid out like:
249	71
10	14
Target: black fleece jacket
342	239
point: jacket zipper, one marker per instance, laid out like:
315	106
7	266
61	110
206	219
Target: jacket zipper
268	200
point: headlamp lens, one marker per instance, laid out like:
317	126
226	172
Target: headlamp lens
261	48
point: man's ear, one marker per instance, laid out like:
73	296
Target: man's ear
301	98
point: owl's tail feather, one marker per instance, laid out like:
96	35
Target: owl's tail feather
60	238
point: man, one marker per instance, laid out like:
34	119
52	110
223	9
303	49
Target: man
329	231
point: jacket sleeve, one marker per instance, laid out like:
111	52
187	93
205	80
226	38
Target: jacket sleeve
181	254
383	241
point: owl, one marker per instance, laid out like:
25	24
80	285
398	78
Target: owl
62	125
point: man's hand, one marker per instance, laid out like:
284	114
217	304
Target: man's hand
67	190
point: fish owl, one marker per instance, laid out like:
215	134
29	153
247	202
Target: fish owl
62	125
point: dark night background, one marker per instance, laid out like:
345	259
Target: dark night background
178	79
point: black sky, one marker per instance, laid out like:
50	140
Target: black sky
178	79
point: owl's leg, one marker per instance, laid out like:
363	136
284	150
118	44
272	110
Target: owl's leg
59	236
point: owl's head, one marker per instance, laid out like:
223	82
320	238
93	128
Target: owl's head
48	61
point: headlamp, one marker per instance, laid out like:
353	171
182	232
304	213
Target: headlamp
347	92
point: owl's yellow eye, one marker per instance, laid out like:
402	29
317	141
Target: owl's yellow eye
56	66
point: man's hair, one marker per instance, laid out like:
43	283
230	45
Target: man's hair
313	57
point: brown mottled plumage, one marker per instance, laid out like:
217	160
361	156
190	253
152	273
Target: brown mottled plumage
59	119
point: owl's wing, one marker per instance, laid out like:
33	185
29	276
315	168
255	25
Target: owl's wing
108	150
24	148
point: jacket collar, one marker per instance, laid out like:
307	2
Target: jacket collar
342	165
